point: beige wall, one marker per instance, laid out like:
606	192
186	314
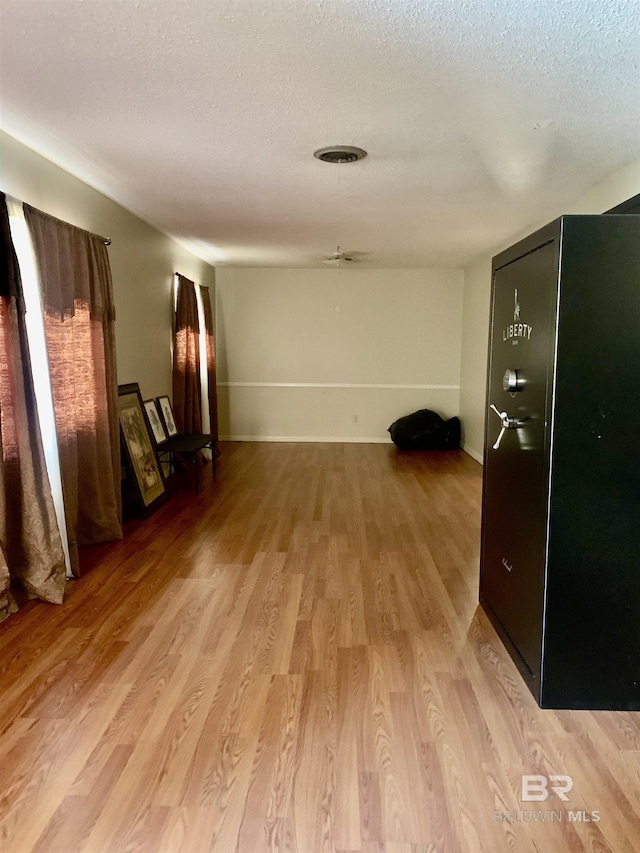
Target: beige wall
303	353
143	260
279	331
477	293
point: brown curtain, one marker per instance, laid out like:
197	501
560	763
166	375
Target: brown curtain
186	360
31	556
79	319
211	361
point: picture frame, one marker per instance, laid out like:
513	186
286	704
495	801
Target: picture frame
166	413
139	448
155	422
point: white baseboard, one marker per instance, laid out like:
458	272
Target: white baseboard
335	439
473	454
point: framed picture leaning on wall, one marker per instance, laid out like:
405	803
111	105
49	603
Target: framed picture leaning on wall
157	427
167	415
139	447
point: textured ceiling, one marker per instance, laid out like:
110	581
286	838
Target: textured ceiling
480	116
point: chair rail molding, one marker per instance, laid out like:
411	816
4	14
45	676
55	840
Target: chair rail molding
338	385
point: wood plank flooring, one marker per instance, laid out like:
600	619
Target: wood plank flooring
294	660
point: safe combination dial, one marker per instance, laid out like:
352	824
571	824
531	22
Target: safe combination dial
512	381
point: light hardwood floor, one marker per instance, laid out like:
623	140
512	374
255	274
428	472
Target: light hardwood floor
295	660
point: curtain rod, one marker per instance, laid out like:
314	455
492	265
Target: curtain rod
105	240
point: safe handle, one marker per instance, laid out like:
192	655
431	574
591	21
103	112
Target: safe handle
506	423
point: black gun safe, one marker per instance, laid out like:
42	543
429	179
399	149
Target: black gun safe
560	564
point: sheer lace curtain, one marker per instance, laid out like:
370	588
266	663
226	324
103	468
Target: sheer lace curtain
212	388
32	562
79	318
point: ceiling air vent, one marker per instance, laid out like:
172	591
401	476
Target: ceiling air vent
340	154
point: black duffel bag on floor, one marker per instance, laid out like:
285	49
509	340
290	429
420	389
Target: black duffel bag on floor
425	430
